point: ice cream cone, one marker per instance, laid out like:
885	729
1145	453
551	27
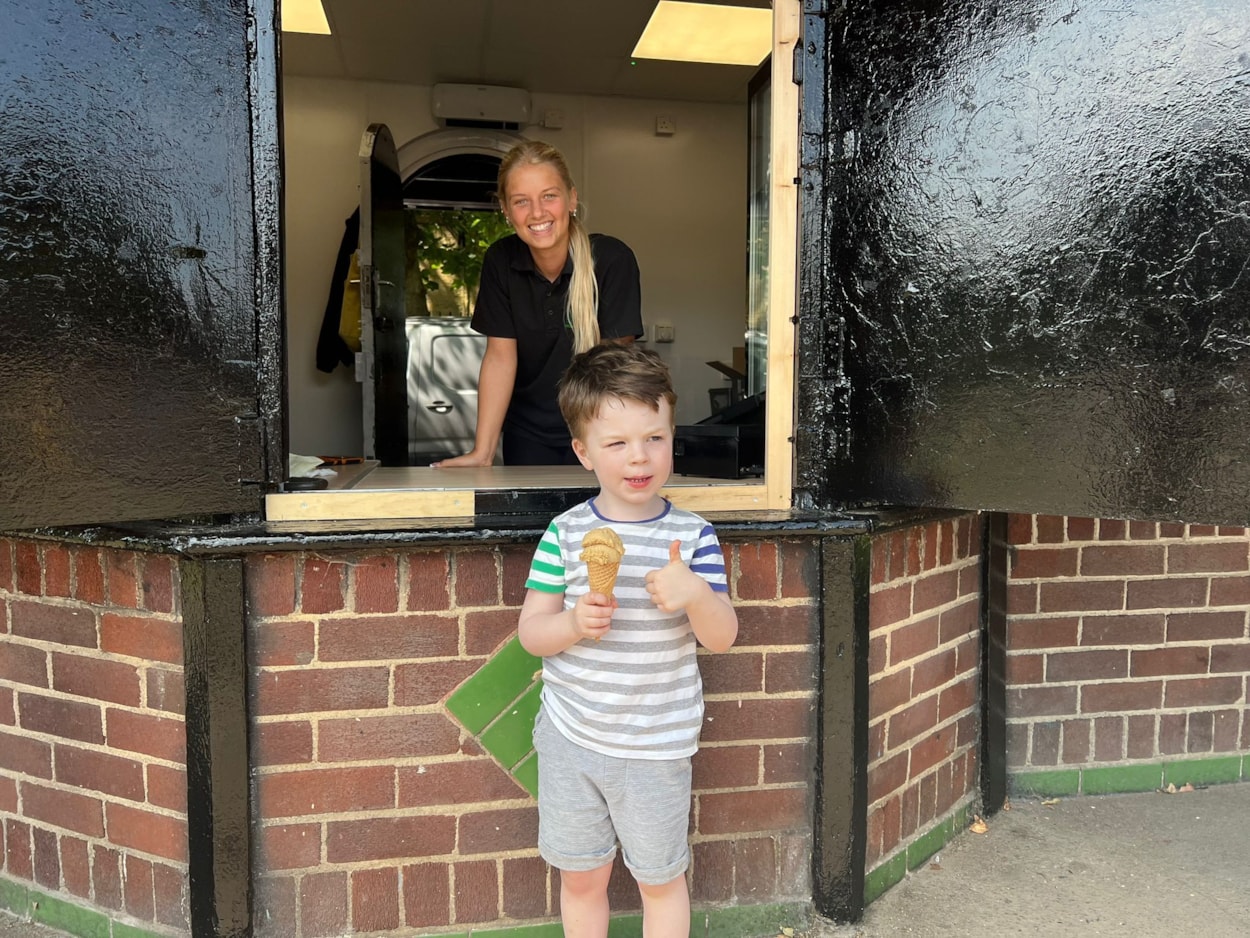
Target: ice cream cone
603	576
602	551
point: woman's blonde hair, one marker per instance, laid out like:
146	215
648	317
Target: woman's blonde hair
582	301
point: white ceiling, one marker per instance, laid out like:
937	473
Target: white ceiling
544	46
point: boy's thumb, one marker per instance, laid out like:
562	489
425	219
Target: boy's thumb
674	552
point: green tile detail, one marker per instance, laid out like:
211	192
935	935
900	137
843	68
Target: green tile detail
1202	771
928	844
627	926
1121	778
499	682
1047	784
884	876
15	898
748	920
511	737
85	923
129	931
526	772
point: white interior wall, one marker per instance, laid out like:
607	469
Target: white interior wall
679	201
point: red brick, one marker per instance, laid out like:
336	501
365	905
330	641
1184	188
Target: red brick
58	625
887	777
1203	692
515	564
23	664
137	887
307	691
1200	732
29	577
912	722
872	837
17	849
121	575
1225	557
1172	529
75	866
1140	738
1087	665
1045	563
477	890
1227	723
1045	745
1172	592
1040	701
375	586
45	858
726	767
1205	626
90	770
1111	530
1109	739
1161	662
165	690
325	791
408	636
106	877
888	692
476	579
466	781
776	625
275	900
169	886
1022	598
55	570
1143	530
156	736
879	562
428	683
1050	529
147	831
1111	698
776	718
934	671
755	864
935	590
156	583
486	631
1025	669
1019	529
758	573
67	719
786	671
786	763
958	698
897	546
927	753
323	905
167	788
1202	530
1081	595
1025	633
386	838
735	673
427	895
799	570
1230	591
375	900
286	743
1229	531
932	536
1081	529
290	846
141	637
970	582
321	585
913	641
1139	629
88	575
1230	658
498	831
278	643
913	538
6	585
889	606
429	581
1135	560
8	710
386	737
65	809
1076	742
524	887
876	655
113	681
744	812
958	620
270	585
1173	733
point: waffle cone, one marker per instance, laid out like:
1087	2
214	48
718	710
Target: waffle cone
603	576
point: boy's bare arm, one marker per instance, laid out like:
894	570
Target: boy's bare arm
675	586
547	628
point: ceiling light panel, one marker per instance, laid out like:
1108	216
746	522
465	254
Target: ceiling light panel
706	32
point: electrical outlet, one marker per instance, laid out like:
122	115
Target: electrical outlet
665	126
664	332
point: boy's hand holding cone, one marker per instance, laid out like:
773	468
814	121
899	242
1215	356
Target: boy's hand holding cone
602	551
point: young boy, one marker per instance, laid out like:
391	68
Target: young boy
622	701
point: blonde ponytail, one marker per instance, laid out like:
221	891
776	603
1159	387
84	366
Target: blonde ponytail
582	301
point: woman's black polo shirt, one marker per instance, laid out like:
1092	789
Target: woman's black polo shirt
515	301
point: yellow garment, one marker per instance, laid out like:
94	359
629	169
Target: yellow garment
349	318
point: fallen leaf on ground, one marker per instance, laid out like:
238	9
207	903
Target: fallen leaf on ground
1047	802
1186	787
788	932
978	825
1006	804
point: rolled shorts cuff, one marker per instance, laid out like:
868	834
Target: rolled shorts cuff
580	864
663	875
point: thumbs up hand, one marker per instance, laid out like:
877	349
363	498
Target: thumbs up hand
675	586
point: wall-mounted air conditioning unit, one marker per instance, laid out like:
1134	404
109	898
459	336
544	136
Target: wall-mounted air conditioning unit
480	106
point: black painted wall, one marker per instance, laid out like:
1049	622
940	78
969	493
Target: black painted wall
139	287
1036	293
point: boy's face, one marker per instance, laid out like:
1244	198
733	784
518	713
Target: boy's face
630	448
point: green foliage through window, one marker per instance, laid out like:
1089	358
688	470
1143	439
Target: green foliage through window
445	251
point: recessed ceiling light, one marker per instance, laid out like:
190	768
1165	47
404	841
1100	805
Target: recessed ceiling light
304	16
706	32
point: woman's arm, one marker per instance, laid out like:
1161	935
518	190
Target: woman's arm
494	391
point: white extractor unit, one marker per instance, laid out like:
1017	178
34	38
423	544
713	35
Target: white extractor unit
480	106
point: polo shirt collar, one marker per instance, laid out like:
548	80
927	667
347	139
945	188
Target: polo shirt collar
523	260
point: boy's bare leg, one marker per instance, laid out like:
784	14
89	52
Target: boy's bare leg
666	909
584	902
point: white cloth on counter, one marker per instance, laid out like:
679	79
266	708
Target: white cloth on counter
307	466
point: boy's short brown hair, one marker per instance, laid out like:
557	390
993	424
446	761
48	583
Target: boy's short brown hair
609	371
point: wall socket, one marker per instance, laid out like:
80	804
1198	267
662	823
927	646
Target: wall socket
664	332
665	126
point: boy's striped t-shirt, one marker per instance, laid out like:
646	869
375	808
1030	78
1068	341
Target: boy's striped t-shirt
636	693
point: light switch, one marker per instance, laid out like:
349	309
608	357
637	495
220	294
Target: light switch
664	332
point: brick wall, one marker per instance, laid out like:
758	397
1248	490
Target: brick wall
377	811
924	672
92	742
1127	642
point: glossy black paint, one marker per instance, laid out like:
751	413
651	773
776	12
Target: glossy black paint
994	567
139	194
1035	292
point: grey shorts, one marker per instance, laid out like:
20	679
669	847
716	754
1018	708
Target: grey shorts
588	802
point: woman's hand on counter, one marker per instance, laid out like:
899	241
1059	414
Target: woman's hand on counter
468	459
